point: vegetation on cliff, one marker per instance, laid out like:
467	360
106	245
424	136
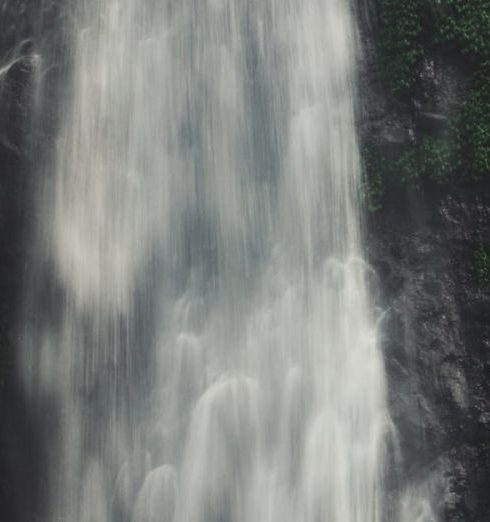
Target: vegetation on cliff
482	266
412	36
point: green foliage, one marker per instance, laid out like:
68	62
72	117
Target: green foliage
411	29
474	126
435	161
466	25
372	185
408	168
429	161
401	46
482	266
412	32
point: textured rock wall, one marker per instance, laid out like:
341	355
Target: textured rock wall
436	326
437	341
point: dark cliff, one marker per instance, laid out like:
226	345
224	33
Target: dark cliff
428	239
437	341
27	82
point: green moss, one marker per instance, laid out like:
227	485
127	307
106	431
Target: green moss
408	168
435	159
474	126
373	182
482	266
430	161
401	48
413	32
465	24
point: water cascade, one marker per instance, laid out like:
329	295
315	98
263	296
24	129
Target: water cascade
209	351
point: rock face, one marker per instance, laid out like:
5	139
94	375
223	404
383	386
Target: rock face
27	29
437	341
436	324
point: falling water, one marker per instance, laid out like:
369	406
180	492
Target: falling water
209	352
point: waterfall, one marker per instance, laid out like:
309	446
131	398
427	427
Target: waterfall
201	334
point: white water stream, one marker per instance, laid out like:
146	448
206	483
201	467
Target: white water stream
212	356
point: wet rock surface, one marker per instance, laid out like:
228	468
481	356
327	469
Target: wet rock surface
436	339
436	323
27	81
